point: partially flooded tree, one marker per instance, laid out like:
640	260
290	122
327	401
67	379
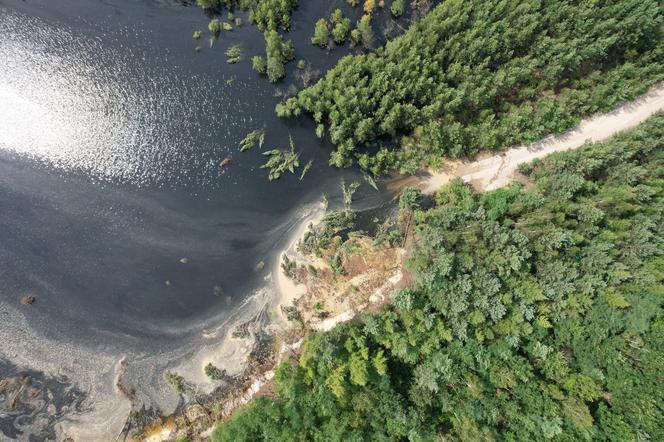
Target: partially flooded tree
398	7
234	54
253	137
279	52
348	192
280	161
321	35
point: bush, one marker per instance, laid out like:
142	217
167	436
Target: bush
214	373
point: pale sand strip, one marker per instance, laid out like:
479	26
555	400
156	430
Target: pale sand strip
498	170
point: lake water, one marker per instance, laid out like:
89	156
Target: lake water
111	130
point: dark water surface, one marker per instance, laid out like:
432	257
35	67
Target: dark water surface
111	130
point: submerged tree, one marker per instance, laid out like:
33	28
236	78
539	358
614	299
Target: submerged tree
234	54
348	192
214	26
280	161
398	7
258	64
340	27
251	138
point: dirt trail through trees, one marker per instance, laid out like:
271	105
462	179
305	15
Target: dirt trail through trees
498	170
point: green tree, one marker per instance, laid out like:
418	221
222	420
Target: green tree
258	64
279	52
341	30
398	7
214	26
321	35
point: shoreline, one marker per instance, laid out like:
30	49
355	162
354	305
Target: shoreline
486	173
287	334
278	327
287	290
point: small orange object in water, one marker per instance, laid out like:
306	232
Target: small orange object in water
28	300
225	162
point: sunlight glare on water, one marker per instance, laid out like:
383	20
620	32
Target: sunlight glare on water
125	122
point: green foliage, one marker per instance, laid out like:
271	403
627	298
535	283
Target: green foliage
474	75
279	52
337	264
214	26
271	14
267	14
321	35
524	322
340	31
207	4
410	199
398	7
234	54
280	161
288	266
259	64
337	16
320	236
387	233
355	37
348	192
213	372
365	30
251	138
174	380
340	26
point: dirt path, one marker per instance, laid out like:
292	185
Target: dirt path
498	170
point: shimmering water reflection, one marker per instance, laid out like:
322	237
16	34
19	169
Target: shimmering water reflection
111	131
78	103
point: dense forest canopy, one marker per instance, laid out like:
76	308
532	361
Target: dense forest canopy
537	313
485	74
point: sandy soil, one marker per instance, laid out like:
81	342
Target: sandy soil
323	298
498	170
287	289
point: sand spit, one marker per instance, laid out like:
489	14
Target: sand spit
497	170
